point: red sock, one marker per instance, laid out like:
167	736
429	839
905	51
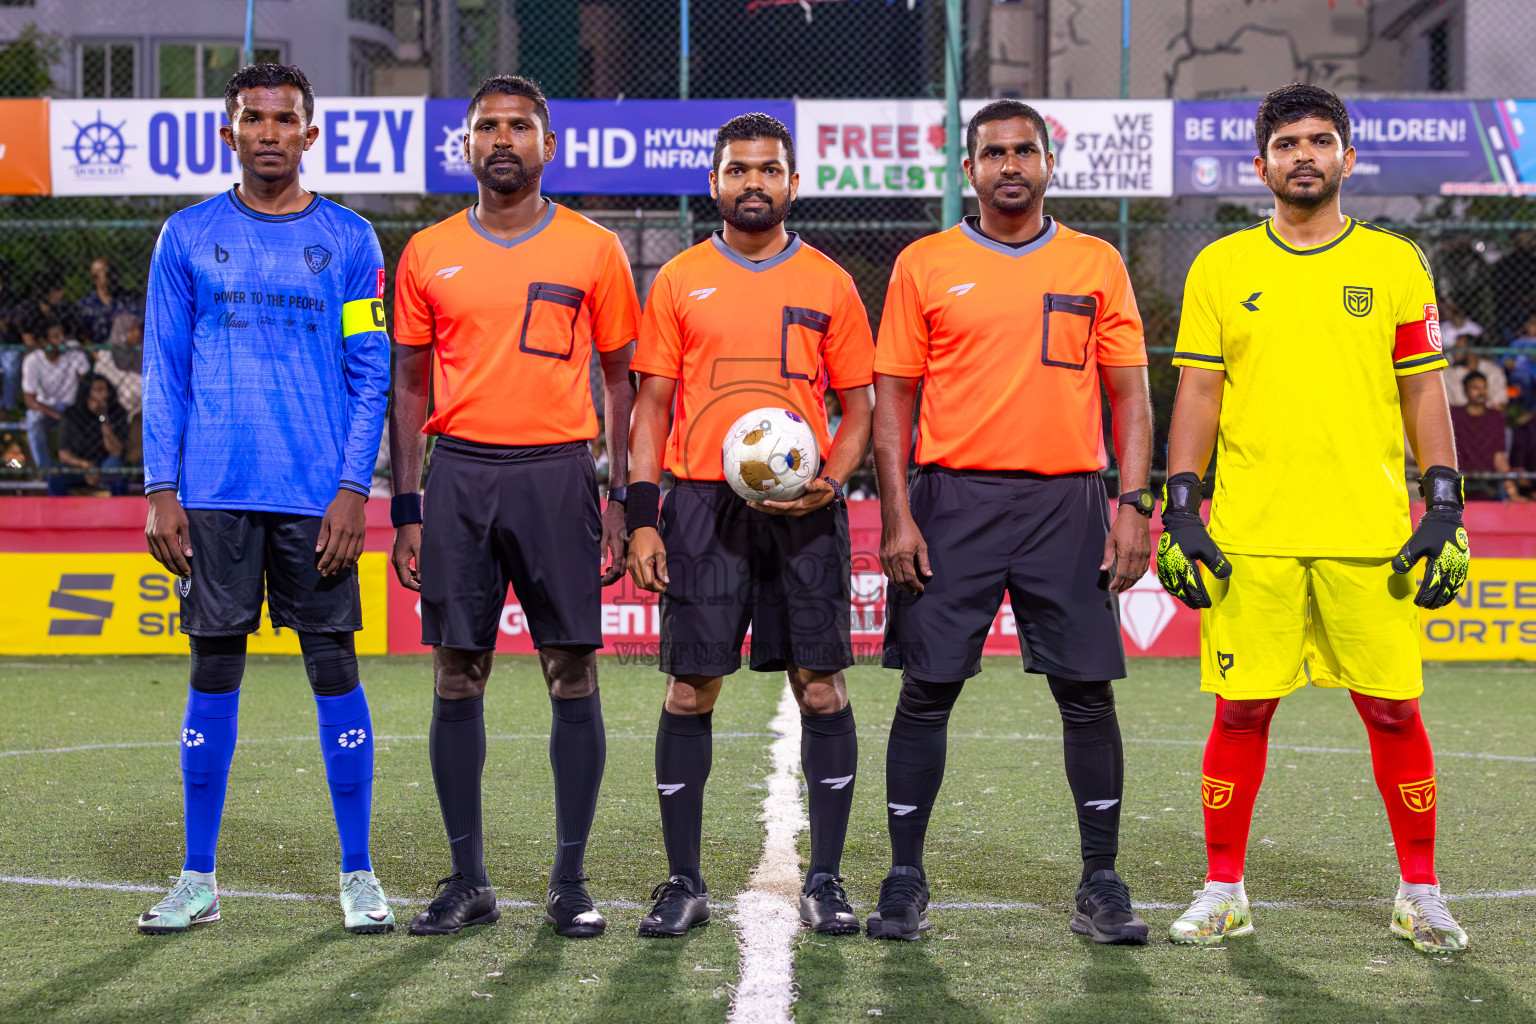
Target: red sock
1233	770
1405	774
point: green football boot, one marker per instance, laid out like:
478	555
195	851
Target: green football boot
194	899
362	901
1419	914
1220	911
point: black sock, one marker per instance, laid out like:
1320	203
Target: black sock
829	756
1090	739
684	749
456	748
578	749
914	764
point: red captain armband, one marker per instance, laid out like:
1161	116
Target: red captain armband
1419	342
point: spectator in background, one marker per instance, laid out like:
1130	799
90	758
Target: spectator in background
123	367
50	380
33	318
123	363
1522	368
103	304
93	434
1522	459
1467	360
1480	443
1455	328
1512	283
10	358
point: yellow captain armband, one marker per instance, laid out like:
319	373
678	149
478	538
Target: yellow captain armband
362	315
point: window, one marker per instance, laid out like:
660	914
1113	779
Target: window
195	70
1438	40
107	70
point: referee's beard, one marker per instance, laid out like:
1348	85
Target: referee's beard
508	175
753	221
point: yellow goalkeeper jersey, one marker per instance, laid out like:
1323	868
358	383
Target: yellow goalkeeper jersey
1309	455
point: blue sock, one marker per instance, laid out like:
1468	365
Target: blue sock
346	745
207	747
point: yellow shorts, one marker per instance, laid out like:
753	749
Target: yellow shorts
1279	623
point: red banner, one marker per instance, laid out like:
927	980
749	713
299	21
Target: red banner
1153	623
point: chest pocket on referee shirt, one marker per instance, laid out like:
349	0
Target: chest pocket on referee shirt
800	342
1066	329
549	325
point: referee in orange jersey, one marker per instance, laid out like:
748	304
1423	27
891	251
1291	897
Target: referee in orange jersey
750	317
1010	322
497	310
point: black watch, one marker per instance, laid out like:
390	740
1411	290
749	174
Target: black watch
618	494
1142	501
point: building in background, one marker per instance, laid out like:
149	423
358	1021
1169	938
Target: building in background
189	48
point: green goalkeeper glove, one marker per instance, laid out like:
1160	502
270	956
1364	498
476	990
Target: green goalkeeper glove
1185	543
1441	540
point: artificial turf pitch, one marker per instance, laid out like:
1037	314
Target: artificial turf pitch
1003	834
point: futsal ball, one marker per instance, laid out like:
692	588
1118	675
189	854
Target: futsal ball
770	454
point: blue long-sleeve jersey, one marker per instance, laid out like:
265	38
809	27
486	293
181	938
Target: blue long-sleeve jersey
266	362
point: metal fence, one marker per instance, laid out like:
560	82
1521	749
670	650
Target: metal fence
1483	249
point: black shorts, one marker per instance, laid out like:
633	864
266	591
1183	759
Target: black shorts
1040	540
729	565
525	515
239	556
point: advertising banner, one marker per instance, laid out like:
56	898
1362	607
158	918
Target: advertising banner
1152	622
1403	147
23	147
606	147
886	148
367	144
127	604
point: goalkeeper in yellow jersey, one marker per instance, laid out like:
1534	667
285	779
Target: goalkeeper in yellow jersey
1310	515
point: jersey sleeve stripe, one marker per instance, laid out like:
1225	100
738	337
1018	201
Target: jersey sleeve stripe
353	485
1419	253
1199	357
1405	364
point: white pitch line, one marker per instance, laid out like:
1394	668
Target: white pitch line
768	913
80	883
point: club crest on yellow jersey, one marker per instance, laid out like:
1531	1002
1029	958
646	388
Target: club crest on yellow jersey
1357	300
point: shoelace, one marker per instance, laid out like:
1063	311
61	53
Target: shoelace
831	891
1110	895
901	890
1206	903
571	893
671	889
366	896
1431	907
181	893
451	886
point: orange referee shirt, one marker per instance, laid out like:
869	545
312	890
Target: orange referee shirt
513	324
1009	343
738	335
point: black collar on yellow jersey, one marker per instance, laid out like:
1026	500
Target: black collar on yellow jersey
1269	229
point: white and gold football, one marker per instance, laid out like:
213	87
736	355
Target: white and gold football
770	454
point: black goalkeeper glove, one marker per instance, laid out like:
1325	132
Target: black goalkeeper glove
1185	542
1441	540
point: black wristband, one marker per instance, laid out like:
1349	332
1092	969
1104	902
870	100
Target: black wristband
643	507
1442	486
405	509
837	490
1182	494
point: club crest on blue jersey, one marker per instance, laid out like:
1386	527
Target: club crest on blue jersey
317	256
1357	300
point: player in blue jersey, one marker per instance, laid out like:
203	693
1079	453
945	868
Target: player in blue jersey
266	369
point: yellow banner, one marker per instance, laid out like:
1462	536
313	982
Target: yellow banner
1493	618
127	604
